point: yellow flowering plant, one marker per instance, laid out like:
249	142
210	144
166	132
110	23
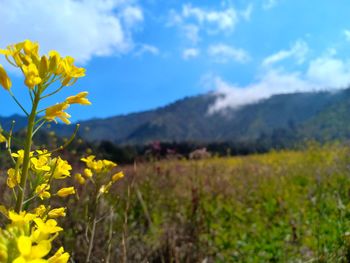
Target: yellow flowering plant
30	223
99	174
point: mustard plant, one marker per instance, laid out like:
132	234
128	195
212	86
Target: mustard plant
29	219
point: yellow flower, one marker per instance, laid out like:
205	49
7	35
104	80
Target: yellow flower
40	164
79	178
109	164
88	159
13	178
45	229
59	257
42	192
2	137
62	168
117	176
31	48
21	219
20	155
57	111
30	253
66	191
32	77
4	79
40	210
88	173
57	212
98	166
14	51
44	66
54	59
79	99
70	69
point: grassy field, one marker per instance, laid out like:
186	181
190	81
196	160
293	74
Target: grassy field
288	206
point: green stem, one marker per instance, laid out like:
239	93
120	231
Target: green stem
26	158
18	103
93	230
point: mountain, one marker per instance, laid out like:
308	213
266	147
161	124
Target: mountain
319	115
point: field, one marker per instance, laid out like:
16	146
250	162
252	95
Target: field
286	206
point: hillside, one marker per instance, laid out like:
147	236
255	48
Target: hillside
320	115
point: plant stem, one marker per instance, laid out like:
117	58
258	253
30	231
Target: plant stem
26	157
93	229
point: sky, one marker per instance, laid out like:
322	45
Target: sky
140	55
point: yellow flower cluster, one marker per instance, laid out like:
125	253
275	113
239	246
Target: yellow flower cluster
42	71
98	170
57	111
28	238
43	169
38	70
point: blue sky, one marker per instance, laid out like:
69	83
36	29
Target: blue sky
144	54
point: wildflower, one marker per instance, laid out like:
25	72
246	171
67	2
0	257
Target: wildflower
79	178
4	79
30	253
79	99
45	229
2	137
57	212
42	192
44	66
57	111
88	173
21	219
88	160
31	48
117	176
32	77
109	164
40	210
59	257
98	166
13	178
66	191
40	164
20	156
61	168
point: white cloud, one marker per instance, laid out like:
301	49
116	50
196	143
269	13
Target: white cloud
323	73
190	53
329	72
221	20
247	13
132	15
193	20
298	51
145	48
191	32
80	28
223	53
268	4
347	34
